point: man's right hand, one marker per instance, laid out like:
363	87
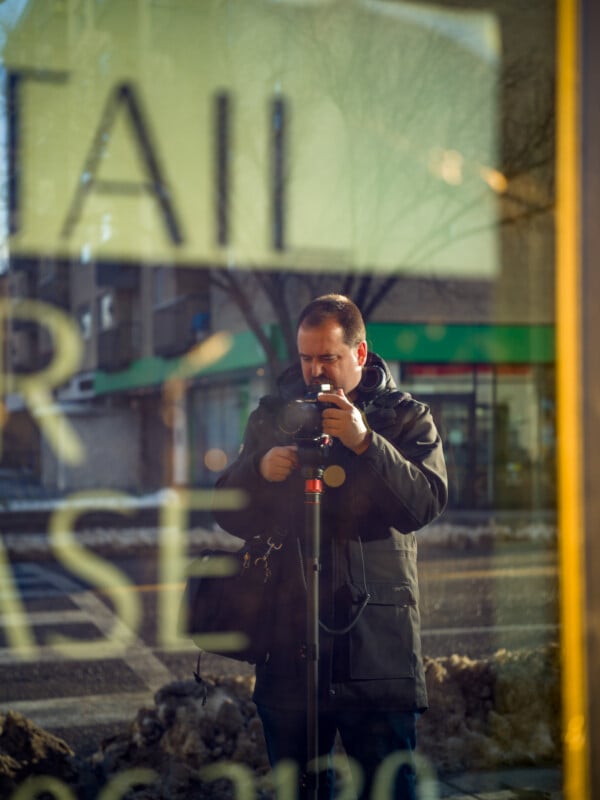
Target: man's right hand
278	463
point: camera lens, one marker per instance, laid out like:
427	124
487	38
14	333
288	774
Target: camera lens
302	418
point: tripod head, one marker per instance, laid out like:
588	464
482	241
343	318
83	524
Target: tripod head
313	454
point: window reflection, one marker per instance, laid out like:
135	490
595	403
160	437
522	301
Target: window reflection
177	181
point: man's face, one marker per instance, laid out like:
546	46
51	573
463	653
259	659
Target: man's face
326	358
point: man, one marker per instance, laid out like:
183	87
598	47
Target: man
389	480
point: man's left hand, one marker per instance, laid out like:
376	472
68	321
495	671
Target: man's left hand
345	422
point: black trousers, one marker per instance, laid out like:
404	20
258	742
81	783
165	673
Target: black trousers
368	737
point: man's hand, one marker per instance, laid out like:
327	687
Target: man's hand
278	463
345	422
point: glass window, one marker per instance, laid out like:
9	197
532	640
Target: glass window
85	321
178	181
106	313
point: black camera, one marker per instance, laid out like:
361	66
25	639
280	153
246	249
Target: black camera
301	418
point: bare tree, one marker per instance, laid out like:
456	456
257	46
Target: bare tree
521	181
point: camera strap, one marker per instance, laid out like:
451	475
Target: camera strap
363	601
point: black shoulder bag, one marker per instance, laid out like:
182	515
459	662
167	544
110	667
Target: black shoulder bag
226	608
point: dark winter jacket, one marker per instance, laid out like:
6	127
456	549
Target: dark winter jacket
370	508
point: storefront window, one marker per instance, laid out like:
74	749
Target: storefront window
178	180
498	426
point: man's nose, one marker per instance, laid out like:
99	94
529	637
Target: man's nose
316	369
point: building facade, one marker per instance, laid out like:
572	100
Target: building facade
157	261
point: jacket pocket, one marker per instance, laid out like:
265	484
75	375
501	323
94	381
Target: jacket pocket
382	641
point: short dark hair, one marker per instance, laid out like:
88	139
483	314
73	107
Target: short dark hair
342	310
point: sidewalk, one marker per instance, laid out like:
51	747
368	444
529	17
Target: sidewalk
538	783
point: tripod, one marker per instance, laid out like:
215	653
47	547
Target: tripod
312	456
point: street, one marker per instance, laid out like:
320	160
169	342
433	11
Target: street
477	603
473	603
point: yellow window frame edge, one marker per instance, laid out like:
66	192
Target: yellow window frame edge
571	501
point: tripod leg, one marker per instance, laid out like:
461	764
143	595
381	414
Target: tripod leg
312	499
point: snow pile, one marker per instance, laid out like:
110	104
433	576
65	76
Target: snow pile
488	532
194	723
27	751
458	533
501	712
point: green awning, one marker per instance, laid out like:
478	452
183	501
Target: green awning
463	344
410	344
242	352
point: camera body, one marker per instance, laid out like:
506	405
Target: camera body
301	418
